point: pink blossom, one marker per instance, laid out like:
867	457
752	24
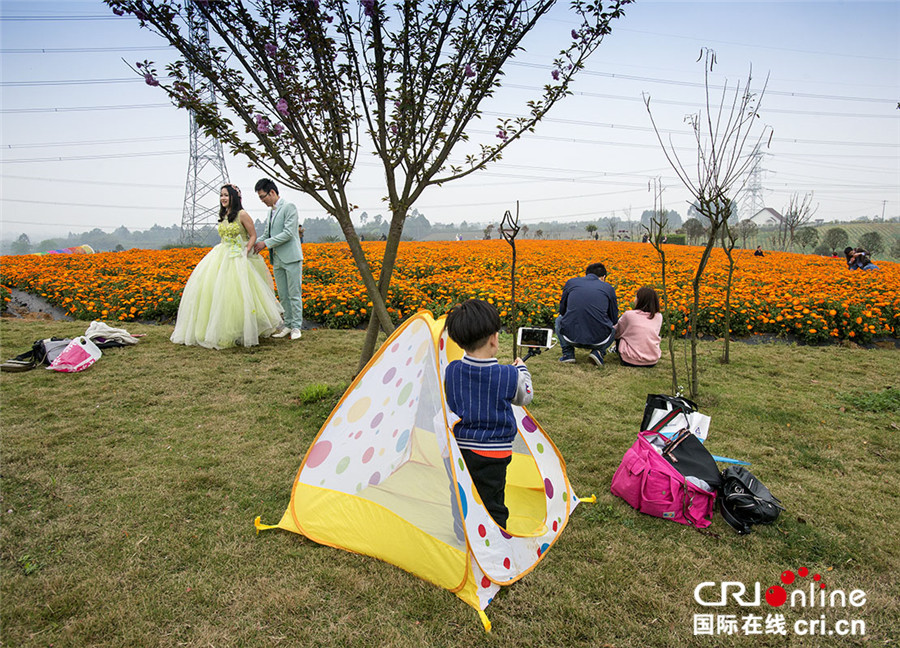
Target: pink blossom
278	129
150	80
574	34
555	75
369	7
262	124
282	107
469	71
271	49
502	135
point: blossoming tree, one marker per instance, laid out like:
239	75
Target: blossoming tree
305	86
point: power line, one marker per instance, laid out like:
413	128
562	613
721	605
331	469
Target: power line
57	18
35	84
81	50
104	183
14	111
697	84
92	205
693	104
758	46
128	140
91	157
82	225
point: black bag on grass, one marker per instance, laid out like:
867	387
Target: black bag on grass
746	501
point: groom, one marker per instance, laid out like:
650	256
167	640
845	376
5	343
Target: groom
282	237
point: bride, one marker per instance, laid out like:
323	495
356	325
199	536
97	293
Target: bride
228	300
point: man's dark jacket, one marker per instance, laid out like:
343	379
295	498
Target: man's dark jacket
589	310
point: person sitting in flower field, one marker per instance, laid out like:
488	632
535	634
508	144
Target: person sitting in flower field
228	299
859	259
637	331
588	311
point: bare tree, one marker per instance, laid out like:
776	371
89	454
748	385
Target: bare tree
656	230
304	85
721	133
746	229
798	213
612	224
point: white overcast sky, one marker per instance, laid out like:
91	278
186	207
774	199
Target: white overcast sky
85	144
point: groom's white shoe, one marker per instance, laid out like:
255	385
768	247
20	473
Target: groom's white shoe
295	334
282	332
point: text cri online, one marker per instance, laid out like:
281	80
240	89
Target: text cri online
774	624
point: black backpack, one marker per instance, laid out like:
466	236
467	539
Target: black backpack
746	501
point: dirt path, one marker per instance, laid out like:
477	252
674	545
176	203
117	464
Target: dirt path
27	306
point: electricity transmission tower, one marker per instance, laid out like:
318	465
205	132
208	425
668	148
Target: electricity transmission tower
753	202
206	167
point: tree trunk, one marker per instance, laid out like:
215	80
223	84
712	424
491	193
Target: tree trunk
695	308
379	309
669	333
726	358
384	282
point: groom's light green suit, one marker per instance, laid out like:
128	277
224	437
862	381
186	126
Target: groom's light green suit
282	237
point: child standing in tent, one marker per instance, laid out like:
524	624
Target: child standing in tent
482	392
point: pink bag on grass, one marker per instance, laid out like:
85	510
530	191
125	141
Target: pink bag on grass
80	354
651	485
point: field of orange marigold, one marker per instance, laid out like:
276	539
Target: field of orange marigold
812	298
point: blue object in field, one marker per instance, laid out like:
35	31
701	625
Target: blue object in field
731	461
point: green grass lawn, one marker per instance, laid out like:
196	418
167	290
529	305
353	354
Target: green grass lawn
129	492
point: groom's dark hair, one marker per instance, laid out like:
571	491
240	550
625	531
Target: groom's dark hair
265	185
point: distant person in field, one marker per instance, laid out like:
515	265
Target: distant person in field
759	251
228	299
481	392
858	259
588	312
637	331
282	237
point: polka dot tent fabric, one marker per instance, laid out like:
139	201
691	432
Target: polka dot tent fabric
384	478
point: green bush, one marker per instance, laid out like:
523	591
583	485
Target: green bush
676	239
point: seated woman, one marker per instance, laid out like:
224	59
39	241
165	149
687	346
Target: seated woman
637	332
858	259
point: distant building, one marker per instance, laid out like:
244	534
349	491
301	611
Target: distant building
767	216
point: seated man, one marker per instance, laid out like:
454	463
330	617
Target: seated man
588	311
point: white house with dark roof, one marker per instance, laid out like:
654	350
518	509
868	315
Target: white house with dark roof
767	216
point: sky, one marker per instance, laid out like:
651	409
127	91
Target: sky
87	144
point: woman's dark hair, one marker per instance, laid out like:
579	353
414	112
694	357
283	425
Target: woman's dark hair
847	251
471	323
234	204
647	300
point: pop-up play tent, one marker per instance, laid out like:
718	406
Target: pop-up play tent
385	478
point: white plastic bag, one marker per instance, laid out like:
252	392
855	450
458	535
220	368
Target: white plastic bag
80	354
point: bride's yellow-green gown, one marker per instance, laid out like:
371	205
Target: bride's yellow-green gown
228	300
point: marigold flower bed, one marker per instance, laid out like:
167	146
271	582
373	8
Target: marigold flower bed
810	297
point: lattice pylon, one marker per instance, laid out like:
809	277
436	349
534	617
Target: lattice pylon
206	167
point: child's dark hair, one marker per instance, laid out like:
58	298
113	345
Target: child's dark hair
647	300
471	323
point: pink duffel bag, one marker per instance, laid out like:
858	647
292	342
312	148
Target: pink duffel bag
651	485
